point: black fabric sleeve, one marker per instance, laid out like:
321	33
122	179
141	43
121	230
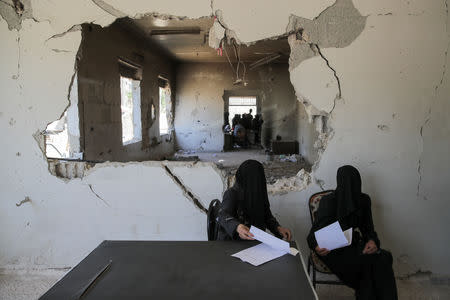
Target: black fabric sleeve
271	223
228	212
367	228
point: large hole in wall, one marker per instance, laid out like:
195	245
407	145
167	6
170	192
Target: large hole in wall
178	89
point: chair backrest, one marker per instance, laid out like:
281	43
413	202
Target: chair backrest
314	202
212	213
313	205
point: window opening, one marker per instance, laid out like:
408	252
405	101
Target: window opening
130	105
164	99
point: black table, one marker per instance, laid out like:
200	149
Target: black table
180	270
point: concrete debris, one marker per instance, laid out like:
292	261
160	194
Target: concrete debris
26	200
296	183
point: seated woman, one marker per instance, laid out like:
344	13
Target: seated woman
363	265
246	204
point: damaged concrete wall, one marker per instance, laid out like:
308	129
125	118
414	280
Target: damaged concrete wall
307	134
200	104
391	75
99	94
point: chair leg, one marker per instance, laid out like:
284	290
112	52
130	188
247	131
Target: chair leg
314	278
309	266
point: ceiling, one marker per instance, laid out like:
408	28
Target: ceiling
186	40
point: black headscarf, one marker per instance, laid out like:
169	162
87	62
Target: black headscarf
348	191
251	184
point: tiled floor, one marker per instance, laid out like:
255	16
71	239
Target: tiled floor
30	285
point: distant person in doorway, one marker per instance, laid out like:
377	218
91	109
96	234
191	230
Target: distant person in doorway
256	126
363	265
246	204
240	134
236	119
247	120
226	128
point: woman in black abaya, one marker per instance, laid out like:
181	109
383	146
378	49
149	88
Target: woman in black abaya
363	265
246	204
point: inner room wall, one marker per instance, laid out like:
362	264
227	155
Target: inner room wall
199	104
99	95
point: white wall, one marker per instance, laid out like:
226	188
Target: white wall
391	75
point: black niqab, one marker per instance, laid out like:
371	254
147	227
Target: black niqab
251	184
348	191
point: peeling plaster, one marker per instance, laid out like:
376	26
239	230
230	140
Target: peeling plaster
337	26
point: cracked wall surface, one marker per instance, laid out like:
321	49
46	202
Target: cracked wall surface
391	68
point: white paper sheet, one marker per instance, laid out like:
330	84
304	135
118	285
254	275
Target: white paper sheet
259	254
269	239
348	235
332	237
270	248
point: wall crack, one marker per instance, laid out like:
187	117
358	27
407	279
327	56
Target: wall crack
436	91
18	57
186	192
98	196
334	73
